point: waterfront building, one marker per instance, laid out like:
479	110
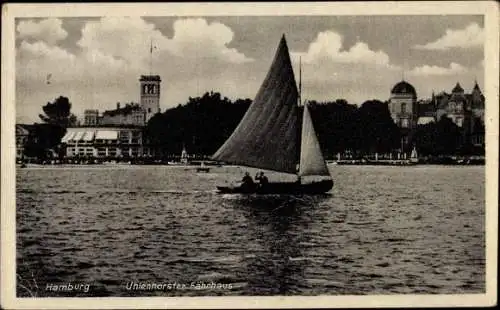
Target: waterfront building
466	110
116	133
403	109
22	138
150	95
136	114
105	142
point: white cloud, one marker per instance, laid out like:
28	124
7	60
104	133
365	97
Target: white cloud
129	38
427	70
358	73
328	47
195	37
471	36
42	51
48	30
114	51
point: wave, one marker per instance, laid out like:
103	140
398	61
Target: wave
116	191
361	223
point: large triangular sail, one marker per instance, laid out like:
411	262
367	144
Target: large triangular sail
312	162
267	136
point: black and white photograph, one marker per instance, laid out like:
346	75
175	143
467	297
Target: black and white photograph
249	155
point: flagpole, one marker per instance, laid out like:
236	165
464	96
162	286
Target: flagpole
151	57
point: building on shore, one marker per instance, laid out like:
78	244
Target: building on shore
117	133
135	114
106	142
22	138
466	110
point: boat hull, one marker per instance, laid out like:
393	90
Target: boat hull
319	187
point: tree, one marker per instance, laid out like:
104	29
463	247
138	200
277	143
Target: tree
58	113
375	130
44	140
441	138
334	123
201	125
46	137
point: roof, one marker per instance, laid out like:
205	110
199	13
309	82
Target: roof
404	88
457	89
476	87
78	136
68	136
426	108
425	120
127	109
88	136
150	78
107	135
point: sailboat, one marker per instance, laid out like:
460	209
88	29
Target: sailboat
414	156
184	156
271	136
183	159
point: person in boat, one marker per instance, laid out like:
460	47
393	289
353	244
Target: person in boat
247	182
257	176
263	181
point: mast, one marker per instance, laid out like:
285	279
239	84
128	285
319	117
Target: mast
300	81
299	128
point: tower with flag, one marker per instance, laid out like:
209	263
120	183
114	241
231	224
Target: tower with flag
150	89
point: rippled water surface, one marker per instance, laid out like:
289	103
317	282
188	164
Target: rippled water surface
381	230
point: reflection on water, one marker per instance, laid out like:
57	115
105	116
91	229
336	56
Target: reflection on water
277	223
381	230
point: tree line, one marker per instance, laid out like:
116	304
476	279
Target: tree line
203	123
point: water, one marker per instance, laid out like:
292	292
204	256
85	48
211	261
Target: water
381	230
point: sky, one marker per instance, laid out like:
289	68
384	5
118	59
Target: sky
97	62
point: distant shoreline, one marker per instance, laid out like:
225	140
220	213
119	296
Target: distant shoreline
193	166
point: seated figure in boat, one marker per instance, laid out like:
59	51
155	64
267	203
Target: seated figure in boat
263	181
247	182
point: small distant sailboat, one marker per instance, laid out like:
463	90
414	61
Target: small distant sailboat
184	160
271	136
184	156
414	156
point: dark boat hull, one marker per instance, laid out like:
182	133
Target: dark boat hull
319	187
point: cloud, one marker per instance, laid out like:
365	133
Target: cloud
330	70
42	51
129	38
48	30
328	47
427	70
113	52
211	40
471	36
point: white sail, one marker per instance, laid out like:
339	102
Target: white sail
312	162
414	153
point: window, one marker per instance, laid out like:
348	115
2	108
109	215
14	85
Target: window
403	108
151	89
149	110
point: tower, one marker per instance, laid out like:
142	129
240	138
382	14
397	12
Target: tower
403	105
403	108
150	95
